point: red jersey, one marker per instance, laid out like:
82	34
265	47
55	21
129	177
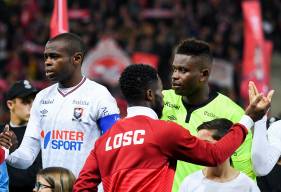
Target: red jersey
139	154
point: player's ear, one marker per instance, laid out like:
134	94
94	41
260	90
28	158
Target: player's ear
77	58
9	104
149	95
205	73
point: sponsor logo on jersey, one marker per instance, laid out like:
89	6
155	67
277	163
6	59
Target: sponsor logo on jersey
80	102
171	105
48	101
210	114
63	140
43	113
77	114
172	118
124	139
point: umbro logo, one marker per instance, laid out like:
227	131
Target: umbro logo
172	118
43	113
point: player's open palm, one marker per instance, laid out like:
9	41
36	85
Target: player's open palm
258	103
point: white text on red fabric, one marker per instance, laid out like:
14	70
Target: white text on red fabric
124	139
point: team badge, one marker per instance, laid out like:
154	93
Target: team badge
77	114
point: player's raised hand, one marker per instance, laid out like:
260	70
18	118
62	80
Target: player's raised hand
8	138
258	103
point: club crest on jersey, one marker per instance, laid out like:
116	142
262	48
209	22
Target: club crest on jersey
77	114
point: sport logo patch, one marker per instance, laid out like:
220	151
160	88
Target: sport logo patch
63	139
77	114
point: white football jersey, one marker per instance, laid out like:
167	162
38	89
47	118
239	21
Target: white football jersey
197	182
66	124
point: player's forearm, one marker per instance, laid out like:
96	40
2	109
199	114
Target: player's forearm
24	156
264	155
217	153
242	160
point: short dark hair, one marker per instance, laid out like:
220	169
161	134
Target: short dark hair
194	47
74	43
220	127
135	80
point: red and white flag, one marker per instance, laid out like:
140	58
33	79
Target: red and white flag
257	51
105	62
59	20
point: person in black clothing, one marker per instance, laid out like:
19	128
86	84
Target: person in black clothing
18	101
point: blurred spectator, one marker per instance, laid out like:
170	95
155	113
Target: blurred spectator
18	100
137	25
56	179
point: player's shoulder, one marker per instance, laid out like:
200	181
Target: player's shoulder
274	134
48	90
225	100
242	176
170	96
170	93
193	177
94	87
245	180
275	126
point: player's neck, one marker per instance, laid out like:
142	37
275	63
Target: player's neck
16	122
221	173
199	97
71	82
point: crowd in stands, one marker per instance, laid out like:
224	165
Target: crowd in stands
148	26
136	25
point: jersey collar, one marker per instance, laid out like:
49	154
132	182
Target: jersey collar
72	89
140	110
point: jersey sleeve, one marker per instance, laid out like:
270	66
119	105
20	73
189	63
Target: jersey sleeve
33	125
241	158
264	153
25	155
274	134
177	143
89	176
107	111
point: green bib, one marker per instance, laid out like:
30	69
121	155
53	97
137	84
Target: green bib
219	107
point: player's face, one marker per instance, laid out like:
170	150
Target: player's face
58	62
157	104
42	185
185	75
20	109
